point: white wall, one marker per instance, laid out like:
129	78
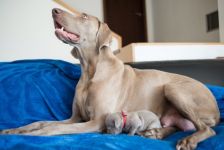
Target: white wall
92	7
139	52
221	19
180	20
160	52
27	31
150	19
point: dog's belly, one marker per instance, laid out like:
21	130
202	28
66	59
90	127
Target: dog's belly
172	118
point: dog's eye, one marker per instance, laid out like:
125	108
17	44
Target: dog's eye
84	16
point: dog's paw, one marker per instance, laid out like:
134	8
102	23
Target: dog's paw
13	131
2	132
7	131
186	144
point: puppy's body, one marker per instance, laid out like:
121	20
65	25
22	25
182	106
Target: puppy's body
135	122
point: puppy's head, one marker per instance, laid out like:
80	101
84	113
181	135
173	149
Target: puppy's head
114	123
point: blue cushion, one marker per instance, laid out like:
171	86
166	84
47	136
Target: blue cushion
33	90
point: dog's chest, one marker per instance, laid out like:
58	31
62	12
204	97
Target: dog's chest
83	102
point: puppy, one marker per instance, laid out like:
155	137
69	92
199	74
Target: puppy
131	123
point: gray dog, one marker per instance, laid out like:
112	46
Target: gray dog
107	85
131	123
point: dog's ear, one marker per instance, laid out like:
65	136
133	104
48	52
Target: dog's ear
75	53
103	36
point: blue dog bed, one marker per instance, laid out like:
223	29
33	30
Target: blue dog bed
33	90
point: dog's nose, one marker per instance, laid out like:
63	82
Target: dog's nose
56	11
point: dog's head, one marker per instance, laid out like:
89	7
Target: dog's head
80	30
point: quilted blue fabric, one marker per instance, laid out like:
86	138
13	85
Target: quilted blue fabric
33	90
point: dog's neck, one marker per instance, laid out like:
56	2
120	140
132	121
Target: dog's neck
89	62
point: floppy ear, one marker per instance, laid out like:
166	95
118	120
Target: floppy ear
116	124
103	36
75	53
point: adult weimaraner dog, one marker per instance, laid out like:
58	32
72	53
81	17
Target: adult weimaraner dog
107	85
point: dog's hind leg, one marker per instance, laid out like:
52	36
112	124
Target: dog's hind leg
194	105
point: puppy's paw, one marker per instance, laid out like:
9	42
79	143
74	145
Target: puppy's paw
152	133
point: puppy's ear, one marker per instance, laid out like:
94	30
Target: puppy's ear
117	123
104	36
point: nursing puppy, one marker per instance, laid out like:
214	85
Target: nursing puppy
131	123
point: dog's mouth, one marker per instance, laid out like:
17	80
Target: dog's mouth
63	34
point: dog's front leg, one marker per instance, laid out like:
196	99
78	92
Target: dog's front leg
39	125
70	128
43	124
34	126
